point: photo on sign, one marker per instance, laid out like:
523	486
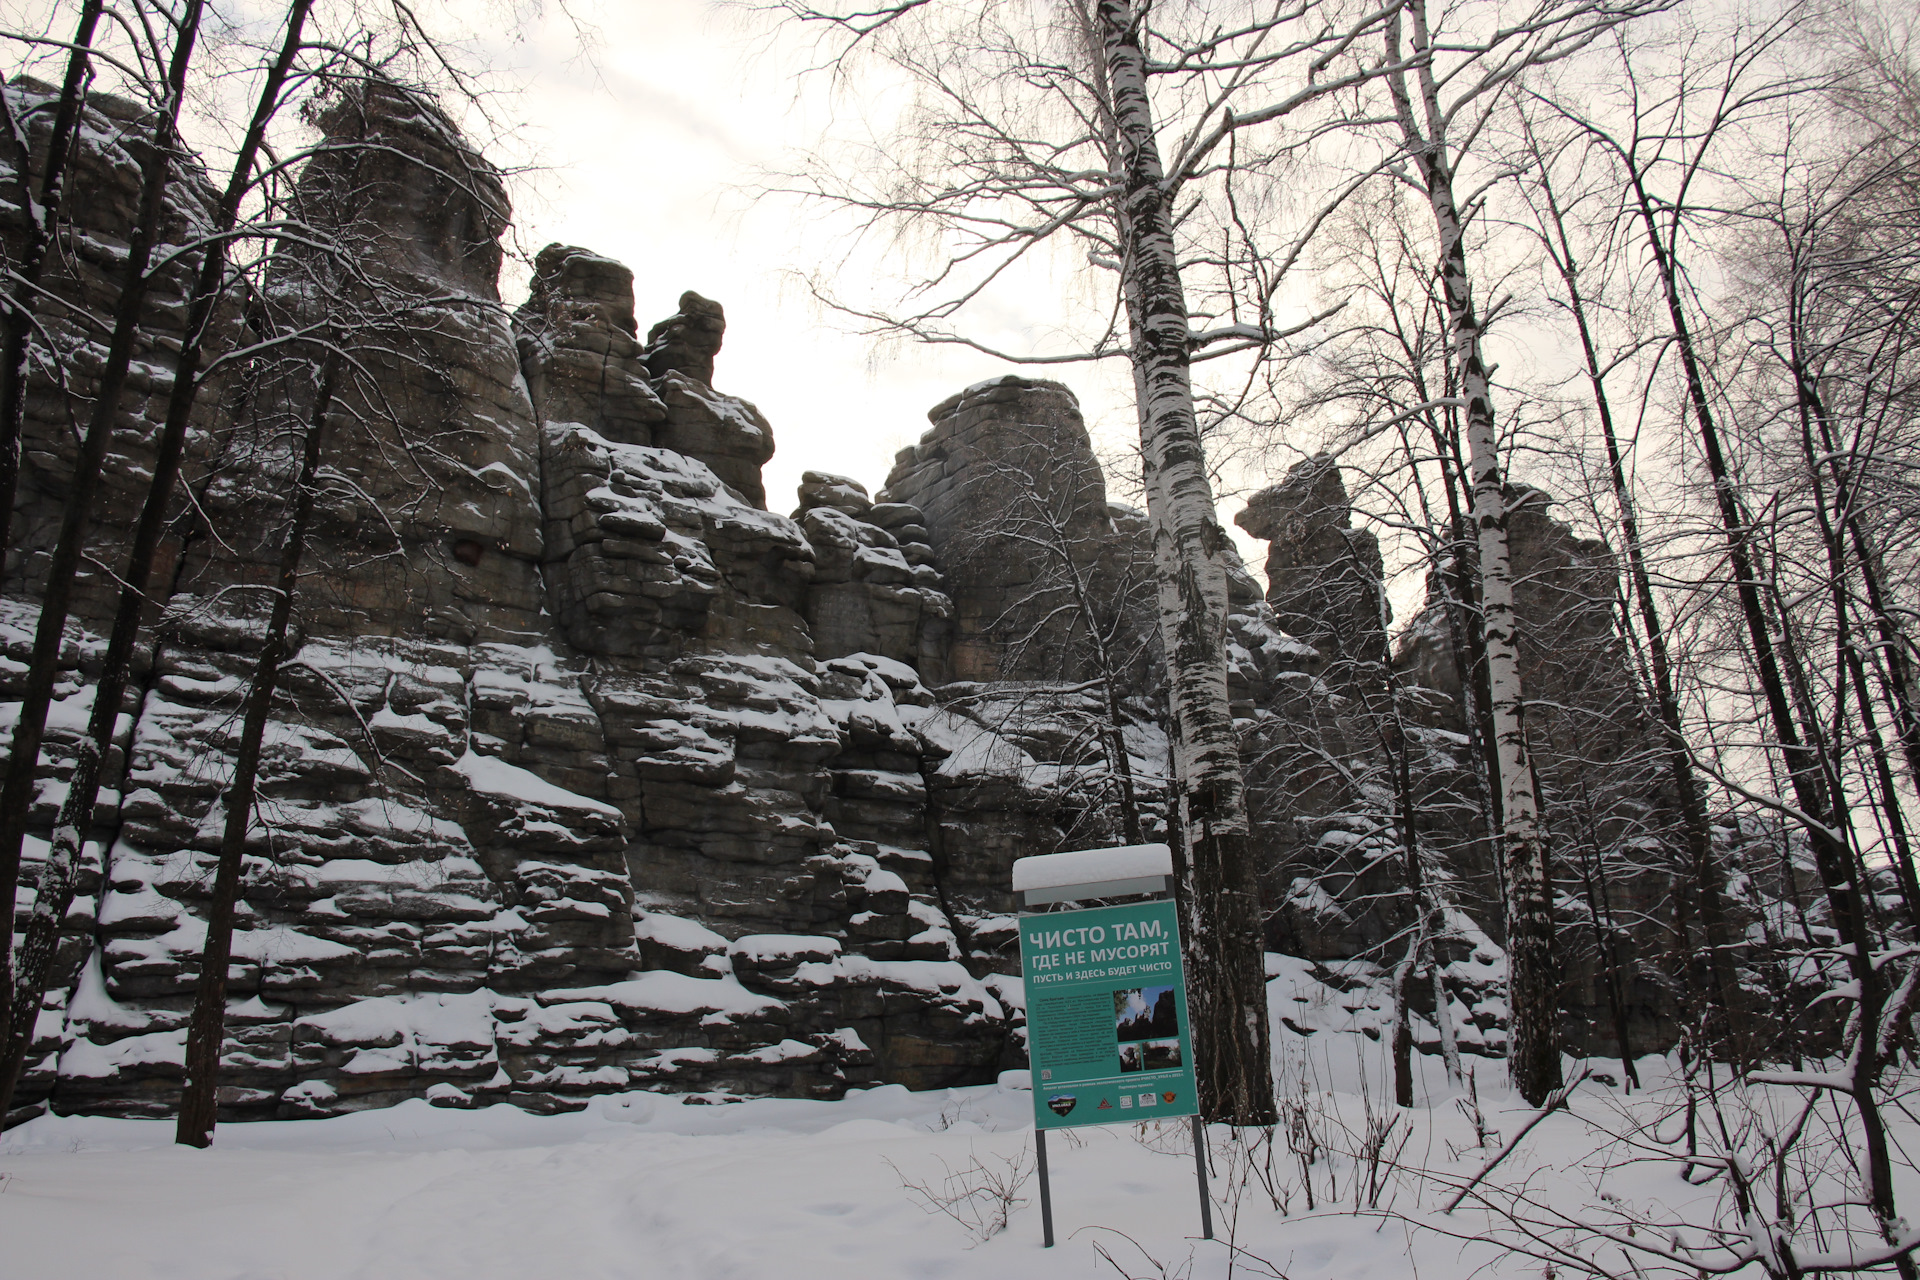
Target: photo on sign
1161	1055
1145	1013
1130	1057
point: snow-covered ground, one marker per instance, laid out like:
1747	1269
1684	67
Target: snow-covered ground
641	1185
644	1185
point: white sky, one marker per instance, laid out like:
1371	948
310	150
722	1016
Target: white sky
648	148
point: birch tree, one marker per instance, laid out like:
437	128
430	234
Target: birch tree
1188	543
1114	131
1387	384
1440	106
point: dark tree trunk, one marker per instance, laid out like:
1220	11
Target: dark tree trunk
1419	914
1606	939
1804	770
1838	514
1453	571
207	1029
1852	669
16	796
1113	733
1696	829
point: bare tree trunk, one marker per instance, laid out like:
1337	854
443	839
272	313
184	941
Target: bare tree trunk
1113	739
83	787
1443	1019
1130	829
1421	914
1113	733
1533	1036
1606	938
1889	791
43	218
1810	407
1695	827
1833	859
1425	902
1897	678
1224	935
1036	521
207	1028
1402	1047
1821	456
1410	850
1803	768
16	797
1451	573
1454	573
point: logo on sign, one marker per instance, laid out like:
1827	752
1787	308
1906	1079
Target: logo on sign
1061	1103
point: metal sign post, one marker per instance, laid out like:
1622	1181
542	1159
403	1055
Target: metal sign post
1107	1030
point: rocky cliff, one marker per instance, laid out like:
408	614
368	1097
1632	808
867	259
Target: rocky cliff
1594	753
590	772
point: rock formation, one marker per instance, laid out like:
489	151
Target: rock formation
1593	752
1015	510
556	787
592	771
1324	576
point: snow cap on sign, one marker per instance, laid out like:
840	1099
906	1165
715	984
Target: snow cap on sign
1091	867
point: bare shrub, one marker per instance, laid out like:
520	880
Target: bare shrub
981	1196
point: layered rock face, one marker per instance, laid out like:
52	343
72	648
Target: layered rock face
1593	750
1323	575
1054	610
83	282
1051	592
1016	513
1332	887
1592	745
555	787
1603	788
875	588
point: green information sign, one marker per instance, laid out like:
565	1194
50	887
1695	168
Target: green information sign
1107	1016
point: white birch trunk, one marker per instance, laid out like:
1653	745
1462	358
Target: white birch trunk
1533	1039
1224	927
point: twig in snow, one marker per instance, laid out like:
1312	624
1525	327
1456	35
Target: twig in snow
1555	1101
